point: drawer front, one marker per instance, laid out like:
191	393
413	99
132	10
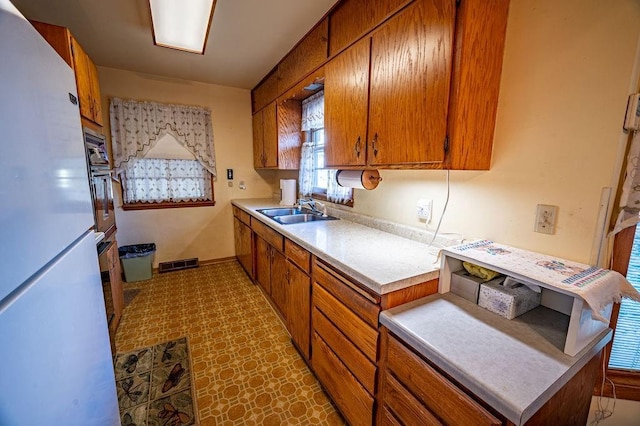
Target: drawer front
361	367
404	406
365	305
297	255
271	236
242	215
357	331
388	419
436	392
352	399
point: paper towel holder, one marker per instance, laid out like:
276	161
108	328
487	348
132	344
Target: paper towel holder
360	179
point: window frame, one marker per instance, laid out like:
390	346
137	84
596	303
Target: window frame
321	193
627	383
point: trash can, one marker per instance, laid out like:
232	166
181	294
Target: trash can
136	261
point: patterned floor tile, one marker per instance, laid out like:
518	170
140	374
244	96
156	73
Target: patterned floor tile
244	367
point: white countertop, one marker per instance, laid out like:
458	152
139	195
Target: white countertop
511	365
381	261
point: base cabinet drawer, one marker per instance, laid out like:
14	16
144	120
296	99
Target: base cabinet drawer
352	399
403	406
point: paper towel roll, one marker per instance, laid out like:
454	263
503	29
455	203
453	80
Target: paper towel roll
359	179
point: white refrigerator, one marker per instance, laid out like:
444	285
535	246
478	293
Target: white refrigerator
55	357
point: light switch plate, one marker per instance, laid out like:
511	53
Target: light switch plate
546	219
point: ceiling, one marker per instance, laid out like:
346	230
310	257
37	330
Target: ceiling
247	37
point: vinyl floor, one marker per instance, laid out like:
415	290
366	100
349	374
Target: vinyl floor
246	371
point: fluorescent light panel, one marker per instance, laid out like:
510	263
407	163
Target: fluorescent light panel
181	24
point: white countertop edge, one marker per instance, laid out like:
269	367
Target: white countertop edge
379	288
516	415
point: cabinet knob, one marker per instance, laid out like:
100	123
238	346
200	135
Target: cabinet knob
374	145
287	275
357	147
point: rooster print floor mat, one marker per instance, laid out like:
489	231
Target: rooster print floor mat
154	385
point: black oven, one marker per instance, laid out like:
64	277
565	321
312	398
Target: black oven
99	180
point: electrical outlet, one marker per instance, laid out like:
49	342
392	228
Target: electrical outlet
546	219
424	208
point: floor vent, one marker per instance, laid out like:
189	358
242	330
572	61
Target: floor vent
176	265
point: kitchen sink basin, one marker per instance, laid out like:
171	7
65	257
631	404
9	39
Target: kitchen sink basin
281	211
301	218
291	215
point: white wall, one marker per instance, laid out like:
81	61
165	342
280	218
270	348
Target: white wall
567	70
203	232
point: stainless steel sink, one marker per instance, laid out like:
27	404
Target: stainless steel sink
281	211
301	218
291	215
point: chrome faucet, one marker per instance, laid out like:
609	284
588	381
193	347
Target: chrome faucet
312	205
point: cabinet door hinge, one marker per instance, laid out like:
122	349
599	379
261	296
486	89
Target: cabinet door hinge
446	143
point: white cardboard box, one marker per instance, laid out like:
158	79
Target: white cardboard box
507	302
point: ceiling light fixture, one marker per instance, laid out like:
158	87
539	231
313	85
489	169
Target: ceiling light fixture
182	25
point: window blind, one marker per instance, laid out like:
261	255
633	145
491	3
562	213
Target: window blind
625	353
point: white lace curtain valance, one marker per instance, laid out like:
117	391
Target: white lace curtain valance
313	112
136	126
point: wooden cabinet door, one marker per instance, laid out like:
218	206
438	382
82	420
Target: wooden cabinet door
299	309
83	79
352	18
270	136
242	239
95	92
86	83
409	85
258	140
115	281
346	93
263	264
279	282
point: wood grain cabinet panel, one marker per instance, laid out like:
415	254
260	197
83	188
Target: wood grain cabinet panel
307	55
355	403
279	282
477	68
411	59
353	18
243	244
266	91
299	309
386	97
277	136
437	394
404	405
263	264
297	255
346	100
265	138
86	73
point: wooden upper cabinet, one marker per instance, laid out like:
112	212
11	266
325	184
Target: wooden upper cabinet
352	19
265	138
386	97
411	59
309	54
266	91
477	68
86	73
87	83
346	94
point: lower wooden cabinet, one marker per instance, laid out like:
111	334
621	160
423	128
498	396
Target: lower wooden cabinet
345	342
299	308
413	392
244	245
